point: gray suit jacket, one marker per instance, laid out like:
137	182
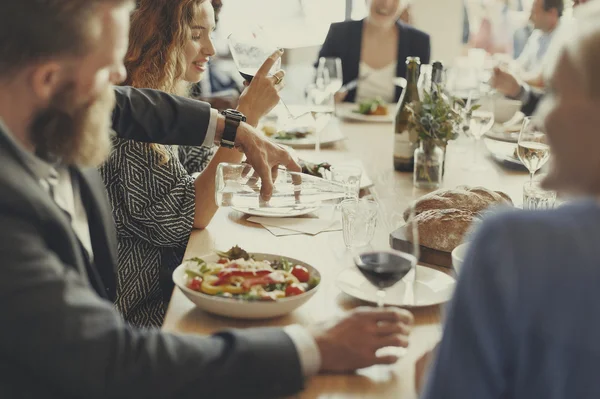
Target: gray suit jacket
60	339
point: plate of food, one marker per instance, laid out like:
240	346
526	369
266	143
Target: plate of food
246	285
302	135
504	152
374	110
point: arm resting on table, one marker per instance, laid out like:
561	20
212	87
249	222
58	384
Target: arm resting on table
58	332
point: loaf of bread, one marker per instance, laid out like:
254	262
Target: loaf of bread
442	229
475	200
445	216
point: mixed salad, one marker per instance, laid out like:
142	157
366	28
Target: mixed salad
374	106
238	275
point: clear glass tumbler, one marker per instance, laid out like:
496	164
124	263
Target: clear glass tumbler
359	219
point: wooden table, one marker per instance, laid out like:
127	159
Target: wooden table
371	143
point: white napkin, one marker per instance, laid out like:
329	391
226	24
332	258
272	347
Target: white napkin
281	232
311	226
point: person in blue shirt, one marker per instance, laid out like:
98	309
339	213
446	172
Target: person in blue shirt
523	322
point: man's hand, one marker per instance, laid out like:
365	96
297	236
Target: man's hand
505	83
264	156
262	94
350	343
421	368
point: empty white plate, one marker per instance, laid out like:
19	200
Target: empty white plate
431	288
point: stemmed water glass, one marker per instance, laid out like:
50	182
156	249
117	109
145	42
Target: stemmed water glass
328	81
386	267
329	74
480	122
532	148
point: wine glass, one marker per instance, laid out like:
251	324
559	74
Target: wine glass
329	74
532	148
250	47
386	267
480	122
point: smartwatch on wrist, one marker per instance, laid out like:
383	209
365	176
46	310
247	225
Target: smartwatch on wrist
233	118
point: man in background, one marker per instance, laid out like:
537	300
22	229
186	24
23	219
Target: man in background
513	87
545	17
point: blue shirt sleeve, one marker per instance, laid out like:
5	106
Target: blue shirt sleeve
474	356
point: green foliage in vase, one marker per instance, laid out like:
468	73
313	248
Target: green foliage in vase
437	119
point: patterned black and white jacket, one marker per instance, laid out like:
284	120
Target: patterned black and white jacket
153	207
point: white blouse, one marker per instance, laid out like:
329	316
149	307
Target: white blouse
377	83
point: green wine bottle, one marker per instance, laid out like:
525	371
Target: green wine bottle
404	148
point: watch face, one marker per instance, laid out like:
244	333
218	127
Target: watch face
235	114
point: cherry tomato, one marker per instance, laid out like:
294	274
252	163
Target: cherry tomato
294	289
301	273
195	284
222	261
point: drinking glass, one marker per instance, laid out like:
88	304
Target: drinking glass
321	104
250	47
350	177
536	198
480	122
329	74
359	219
237	185
532	148
384	268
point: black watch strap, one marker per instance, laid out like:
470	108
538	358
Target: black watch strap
233	118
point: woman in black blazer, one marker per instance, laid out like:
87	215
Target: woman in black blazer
369	46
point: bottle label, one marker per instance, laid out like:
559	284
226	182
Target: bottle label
403	147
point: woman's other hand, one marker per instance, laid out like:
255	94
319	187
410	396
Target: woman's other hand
262	94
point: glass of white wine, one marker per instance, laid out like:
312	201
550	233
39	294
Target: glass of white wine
533	148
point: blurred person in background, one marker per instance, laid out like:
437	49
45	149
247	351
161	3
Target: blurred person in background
522	323
513	87
545	17
495	31
155	219
374	51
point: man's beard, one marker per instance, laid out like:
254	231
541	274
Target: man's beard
73	133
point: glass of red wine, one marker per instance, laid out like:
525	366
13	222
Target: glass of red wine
250	46
384	268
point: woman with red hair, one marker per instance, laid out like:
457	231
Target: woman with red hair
156	197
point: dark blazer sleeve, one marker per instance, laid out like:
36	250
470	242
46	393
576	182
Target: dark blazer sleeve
535	96
331	46
155	117
422	46
57	333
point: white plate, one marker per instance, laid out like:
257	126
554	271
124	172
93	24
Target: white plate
277	212
432	288
240	309
345	111
311	141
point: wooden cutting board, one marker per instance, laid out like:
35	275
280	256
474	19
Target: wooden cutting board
428	255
